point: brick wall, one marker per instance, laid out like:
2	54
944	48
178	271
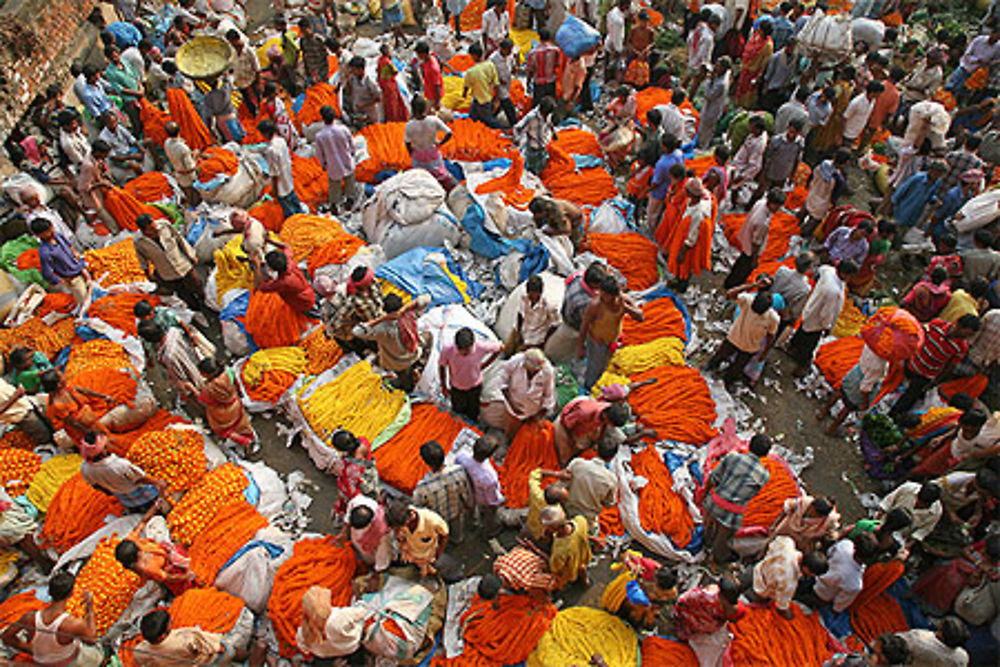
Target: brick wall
37	42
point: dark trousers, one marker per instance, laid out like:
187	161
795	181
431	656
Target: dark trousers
484	114
356	345
742	268
543	90
734	371
466	401
803	345
916	387
251	97
189	289
509	111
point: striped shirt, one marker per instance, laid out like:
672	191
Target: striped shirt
446	491
543	63
737	479
938	350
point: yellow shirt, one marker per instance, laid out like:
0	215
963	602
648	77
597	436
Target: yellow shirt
571	554
481	79
960	303
420	545
536	503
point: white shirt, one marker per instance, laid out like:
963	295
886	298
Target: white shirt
615	24
505	71
537	319
924	520
753	234
133	58
529	396
697	213
873	369
279	163
926	650
826	301
700	43
181	159
856	116
750	157
496	26
844	578
422	133
987	437
671	120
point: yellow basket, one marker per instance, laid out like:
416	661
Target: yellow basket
204	57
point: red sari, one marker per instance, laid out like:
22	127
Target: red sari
392	102
698	258
672	213
756	55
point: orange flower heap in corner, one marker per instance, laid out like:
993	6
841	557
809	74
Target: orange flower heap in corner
109	582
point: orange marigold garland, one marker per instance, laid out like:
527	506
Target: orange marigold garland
97	353
321	352
110	583
46	339
762	637
116	264
76	511
314	562
210	609
116	310
176	456
271	322
678	406
660	318
661	509
17	468
199	506
224	535
663	651
764	508
501	632
631	253
532	447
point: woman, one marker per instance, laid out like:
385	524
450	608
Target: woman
756	54
393	108
807	520
421	138
617	140
223	408
828	135
273	107
355	470
878	252
161	561
691	245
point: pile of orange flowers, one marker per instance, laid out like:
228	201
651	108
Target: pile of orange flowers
270	214
317	96
335	251
398	461
176	456
17	439
501	632
660	318
160	420
97	353
153	121
662	651
874	611
610	521
314	562
110	583
17	468
226	534
661	509
311	183
532	447
125	208
17	606
305	234
271	322
193	129
217	490
578	142
217	161
473	141
55	302
678	406
386	150
321	352
650	97
116	264
210	609
631	253
765	507
76	511
29	259
39	336
119	386
584	187
152	186
271	386
509	185
762	637
116	309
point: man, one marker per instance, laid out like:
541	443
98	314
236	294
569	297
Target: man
460	369
961	160
400	348
24	412
776	575
256	238
126	156
571	554
555	494
945	345
924	81
827	185
700	44
732	484
954	198
780	76
846	562
431	80
279	164
584	422
849	243
659	185
537	319
51	636
781	157
217	106
288	282
820	313
183	160
910	199
93	181
505	62
673	121
527	392
314	54
335	151
858	111
794	287
117	476
127	83
361	95
943	648
93	93
922	501
749	158
483	82
601	328
421	535
361	303
592	486
245	71
177	350
794	108
368	531
163	645
981	261
983	51
444	489
752	237
614	40
581	288
885	107
753	331
421	138
62	266
174	264
820	106
543	67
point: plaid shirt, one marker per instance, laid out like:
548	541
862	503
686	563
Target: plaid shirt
523	569
446	492
342	313
736	479
985	349
314	57
959	162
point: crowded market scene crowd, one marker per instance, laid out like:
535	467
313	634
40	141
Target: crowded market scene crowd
444	334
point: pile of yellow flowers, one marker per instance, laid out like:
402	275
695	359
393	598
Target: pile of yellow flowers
232	268
97	353
666	351
116	264
111	585
39	336
216	491
850	321
52	475
17	469
355	401
177	456
321	352
289	359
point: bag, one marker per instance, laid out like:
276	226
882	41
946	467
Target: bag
576	37
978	605
828	34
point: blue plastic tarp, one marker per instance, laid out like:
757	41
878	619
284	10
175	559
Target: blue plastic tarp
415	274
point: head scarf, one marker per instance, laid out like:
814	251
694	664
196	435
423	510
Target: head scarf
972	176
330	631
368	279
694	187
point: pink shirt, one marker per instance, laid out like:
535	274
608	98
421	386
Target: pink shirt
465	371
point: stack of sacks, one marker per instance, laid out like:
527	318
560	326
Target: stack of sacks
226	177
409	211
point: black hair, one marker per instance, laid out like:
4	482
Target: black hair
983	237
267	128
18	356
610	286
357	62
464	338
418	105
360	517
61	585
422	48
100	147
929	493
40	225
954	632
489	586
728	589
150	331
939	275
142	309
50	379
776	196
277	260
815	562
842	156
544	34
760	445
594	274
209	366
432	454
970	322
344	441
127	553
547	105
534	283
762	302
484	448
476	50
155	625
327	113
847	267
397	514
143	220
894	649
666	577
392	302
232	35
607	449
617	414
552	491
822	506
896	519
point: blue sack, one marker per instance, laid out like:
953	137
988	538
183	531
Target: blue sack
576	37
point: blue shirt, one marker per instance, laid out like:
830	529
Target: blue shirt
909	201
125	34
951	202
58	260
95	99
661	173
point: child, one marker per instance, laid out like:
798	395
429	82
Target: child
537	319
355	470
461	367
534	133
639	179
485	484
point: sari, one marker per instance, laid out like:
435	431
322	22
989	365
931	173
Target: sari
393	107
676	202
805	530
163	559
224	411
756	54
828	135
70	403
